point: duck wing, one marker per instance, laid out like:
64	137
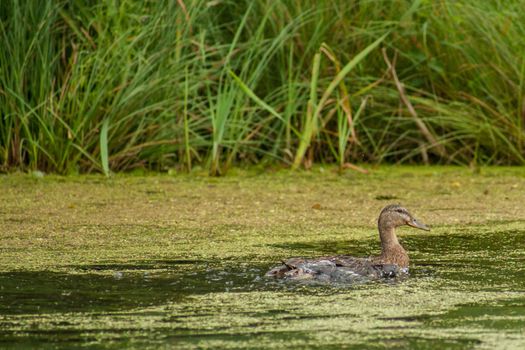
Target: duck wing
359	266
370	266
325	268
339	268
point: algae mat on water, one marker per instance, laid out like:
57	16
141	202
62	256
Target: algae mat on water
178	262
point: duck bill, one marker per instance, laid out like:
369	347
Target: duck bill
419	225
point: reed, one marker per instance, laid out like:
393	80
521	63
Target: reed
112	86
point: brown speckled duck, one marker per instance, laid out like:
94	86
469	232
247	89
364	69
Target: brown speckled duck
392	262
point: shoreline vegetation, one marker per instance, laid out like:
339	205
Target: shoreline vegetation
116	86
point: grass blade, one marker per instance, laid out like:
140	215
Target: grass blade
104	158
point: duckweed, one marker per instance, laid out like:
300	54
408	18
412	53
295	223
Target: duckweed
178	262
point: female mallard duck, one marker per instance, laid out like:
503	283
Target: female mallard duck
392	261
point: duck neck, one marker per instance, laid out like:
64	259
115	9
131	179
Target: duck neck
391	250
387	234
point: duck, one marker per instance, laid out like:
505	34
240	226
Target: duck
392	262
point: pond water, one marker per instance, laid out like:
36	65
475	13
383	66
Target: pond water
164	262
465	291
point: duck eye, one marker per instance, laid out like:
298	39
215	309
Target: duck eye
399	211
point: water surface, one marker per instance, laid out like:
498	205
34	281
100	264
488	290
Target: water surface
179	263
451	300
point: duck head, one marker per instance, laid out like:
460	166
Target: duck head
395	215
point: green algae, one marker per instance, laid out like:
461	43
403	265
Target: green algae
176	261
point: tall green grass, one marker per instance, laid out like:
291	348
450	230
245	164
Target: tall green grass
117	85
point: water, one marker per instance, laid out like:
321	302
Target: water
465	291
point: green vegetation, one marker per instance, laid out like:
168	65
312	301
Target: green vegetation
116	85
163	262
260	218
